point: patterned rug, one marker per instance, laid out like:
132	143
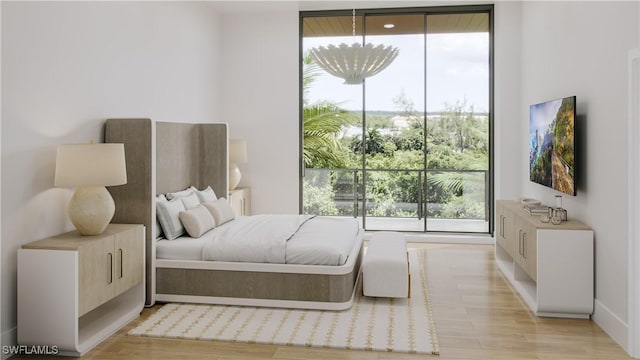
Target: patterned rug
375	324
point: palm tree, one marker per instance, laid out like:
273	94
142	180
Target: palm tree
321	123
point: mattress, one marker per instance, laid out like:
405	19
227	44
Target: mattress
313	243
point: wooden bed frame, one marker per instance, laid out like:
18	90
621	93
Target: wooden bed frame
165	157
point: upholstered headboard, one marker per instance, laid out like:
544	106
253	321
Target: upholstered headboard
191	154
164	157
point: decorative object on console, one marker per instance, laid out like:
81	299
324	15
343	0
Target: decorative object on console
91	167
237	155
556	220
558	214
355	62
529	201
536	209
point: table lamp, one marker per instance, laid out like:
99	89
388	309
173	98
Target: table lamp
237	155
89	168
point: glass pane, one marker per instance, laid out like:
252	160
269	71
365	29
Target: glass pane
393	200
457	122
457	201
332	117
394	137
332	192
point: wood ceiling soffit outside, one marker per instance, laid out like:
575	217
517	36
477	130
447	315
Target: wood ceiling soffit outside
404	24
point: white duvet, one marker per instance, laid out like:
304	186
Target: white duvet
290	239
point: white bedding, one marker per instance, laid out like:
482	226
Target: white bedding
307	240
258	238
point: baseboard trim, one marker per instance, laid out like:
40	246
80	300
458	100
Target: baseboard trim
482	239
9	338
615	327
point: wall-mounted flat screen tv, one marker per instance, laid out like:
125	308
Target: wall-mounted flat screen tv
552	144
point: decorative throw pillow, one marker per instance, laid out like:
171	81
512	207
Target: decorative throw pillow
168	214
206	195
221	211
197	221
173	195
190	201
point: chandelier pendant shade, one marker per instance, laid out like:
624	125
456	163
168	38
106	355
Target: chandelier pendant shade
355	62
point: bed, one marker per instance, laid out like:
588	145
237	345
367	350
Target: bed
164	157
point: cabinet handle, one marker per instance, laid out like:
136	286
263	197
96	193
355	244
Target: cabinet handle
524	245
110	268
504	224
121	262
520	242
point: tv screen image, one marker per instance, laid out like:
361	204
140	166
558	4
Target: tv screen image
552	144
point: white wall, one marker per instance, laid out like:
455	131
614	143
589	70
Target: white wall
260	100
261	95
581	48
66	67
508	122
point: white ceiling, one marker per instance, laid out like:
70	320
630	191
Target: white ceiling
252	6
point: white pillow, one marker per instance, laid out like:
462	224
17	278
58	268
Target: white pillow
168	214
176	194
197	221
190	201
206	195
159	198
221	211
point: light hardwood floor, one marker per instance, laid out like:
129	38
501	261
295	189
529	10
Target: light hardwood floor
477	316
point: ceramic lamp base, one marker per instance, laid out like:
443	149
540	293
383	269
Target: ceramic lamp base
91	209
234	176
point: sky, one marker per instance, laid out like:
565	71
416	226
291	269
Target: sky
541	115
457	69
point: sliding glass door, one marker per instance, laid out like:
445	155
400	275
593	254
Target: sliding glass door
409	148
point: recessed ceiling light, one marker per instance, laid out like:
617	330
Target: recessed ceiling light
389	26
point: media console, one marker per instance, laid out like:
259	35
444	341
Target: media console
550	266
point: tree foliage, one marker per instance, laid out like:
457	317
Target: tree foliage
321	124
395	158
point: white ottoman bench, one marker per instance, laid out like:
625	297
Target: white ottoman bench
385	268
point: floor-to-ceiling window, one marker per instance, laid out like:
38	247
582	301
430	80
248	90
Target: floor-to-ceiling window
409	148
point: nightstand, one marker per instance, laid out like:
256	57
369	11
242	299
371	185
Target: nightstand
240	200
75	291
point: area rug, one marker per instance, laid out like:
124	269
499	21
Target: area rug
374	324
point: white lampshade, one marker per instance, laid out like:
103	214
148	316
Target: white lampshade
238	151
354	62
91	167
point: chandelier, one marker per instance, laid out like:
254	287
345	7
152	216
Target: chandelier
355	62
